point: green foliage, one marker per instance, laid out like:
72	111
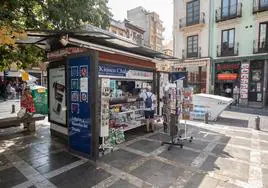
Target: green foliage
20	15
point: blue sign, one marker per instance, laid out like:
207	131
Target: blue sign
111	70
178	76
79	103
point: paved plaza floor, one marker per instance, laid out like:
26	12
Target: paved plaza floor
221	156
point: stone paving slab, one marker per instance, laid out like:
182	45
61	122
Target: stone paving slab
158	173
204	181
121	159
11	177
236	141
265	177
223	156
232	152
122	184
55	161
146	146
229	168
181	156
86	175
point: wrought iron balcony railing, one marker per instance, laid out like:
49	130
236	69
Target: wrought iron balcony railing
190	21
186	54
260	47
230	12
224	50
260	6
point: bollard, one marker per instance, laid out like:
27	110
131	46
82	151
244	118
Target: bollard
206	118
13	109
257	122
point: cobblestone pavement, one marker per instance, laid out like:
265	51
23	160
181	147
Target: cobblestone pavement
220	156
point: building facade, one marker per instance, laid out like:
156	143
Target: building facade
128	30
239	33
168	47
225	43
151	23
191	40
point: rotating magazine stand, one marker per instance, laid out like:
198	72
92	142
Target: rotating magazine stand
171	116
173	133
186	109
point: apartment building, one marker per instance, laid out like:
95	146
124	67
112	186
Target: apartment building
151	23
168	48
128	30
191	29
238	46
223	45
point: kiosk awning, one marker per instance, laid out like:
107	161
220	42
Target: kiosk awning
53	40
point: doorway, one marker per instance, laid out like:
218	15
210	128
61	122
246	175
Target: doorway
256	82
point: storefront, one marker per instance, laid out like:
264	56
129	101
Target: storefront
227	77
198	73
256	82
245	77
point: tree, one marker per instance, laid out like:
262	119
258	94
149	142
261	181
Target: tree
18	15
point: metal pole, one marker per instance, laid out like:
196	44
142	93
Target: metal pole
206	118
257	122
13	109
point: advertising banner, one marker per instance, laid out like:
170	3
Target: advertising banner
57	94
79	105
244	80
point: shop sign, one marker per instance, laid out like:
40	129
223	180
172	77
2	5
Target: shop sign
115	71
244	80
63	52
228	66
112	70
190	64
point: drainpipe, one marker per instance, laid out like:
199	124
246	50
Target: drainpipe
210	39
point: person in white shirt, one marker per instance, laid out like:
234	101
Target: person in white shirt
150	104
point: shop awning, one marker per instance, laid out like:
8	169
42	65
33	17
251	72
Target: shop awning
50	40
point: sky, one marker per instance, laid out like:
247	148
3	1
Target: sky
163	7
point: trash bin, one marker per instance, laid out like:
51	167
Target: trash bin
40	95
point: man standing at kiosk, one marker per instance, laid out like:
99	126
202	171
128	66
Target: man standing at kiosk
150	103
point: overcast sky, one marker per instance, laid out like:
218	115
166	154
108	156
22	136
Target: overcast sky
163	7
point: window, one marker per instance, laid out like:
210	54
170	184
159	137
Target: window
229	8
227	42
192	46
263	3
193	12
263	36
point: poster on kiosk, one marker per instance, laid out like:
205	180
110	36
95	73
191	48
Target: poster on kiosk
80	104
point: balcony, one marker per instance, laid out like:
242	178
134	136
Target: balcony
259	6
225	51
186	55
260	47
187	22
228	13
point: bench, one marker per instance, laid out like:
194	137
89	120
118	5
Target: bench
29	122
